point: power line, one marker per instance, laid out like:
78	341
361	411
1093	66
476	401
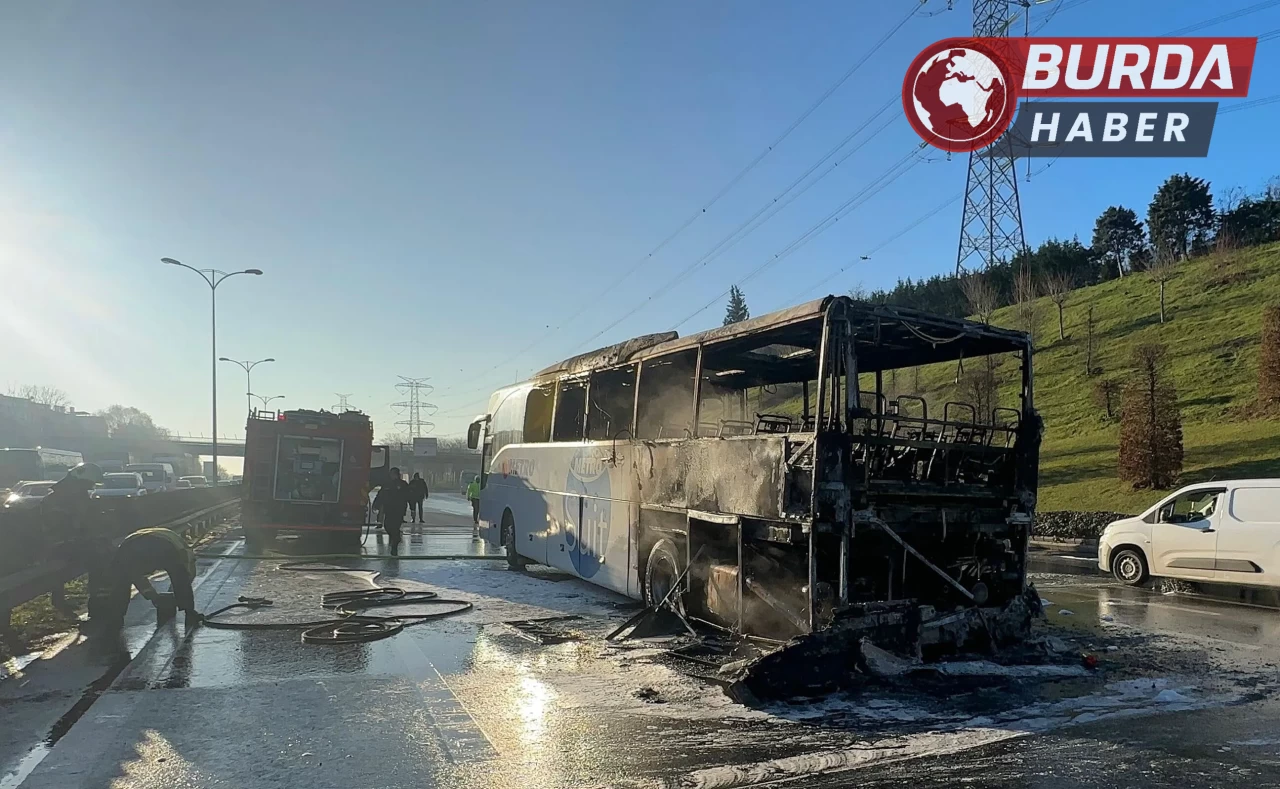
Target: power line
720	247
890	175
733	182
1227	17
931	213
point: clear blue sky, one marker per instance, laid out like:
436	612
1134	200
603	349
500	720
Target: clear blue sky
473	173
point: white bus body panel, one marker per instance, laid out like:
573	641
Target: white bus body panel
575	508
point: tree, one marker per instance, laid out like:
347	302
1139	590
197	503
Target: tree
1058	286
737	309
1118	238
51	396
1250	222
1161	270
1025	293
979	384
1089	369
980	295
1269	358
1150	453
1181	216
1105	392
129	422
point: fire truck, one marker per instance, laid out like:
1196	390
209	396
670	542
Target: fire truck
309	472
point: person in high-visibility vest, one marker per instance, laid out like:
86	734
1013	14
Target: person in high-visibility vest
142	553
473	494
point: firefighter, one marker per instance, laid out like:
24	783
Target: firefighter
142	553
473	495
65	511
392	501
417	494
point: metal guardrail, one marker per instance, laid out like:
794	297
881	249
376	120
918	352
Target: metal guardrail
31	564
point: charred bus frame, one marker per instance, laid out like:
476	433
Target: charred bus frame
778	524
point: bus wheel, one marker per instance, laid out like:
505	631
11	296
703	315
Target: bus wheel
661	573
514	560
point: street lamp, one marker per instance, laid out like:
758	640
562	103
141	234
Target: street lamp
248	384
213	278
266	400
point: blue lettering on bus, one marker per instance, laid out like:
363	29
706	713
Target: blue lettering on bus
587	540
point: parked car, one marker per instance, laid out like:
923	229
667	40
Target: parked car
120	485
197	481
183	484
1222	531
27	494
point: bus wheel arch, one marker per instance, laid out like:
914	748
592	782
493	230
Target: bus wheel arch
662	570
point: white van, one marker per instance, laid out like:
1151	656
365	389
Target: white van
1224	532
158	477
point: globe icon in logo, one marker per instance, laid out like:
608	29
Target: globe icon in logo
958	97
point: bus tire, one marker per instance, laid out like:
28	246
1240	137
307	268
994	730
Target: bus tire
514	560
661	571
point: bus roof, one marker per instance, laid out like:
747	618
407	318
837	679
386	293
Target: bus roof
888	337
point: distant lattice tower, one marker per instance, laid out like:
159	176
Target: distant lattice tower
991	230
415	408
342	406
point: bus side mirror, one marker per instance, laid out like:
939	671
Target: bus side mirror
473	435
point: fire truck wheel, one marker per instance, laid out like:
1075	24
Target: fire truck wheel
514	560
661	572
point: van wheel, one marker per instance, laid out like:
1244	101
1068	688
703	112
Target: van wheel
661	572
514	560
1129	567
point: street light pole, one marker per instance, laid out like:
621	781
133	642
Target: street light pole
213	278
248	382
266	400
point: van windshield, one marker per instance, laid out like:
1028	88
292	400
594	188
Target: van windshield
149	474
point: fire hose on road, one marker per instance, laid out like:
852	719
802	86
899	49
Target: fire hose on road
351	625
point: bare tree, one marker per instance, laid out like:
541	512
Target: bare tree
1105	392
1025	293
981	296
51	396
1058	285
1150	423
1161	270
1089	369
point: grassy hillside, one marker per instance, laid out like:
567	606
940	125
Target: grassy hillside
1213	316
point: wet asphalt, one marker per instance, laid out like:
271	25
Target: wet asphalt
522	691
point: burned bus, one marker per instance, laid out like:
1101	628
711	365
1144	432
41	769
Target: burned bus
765	479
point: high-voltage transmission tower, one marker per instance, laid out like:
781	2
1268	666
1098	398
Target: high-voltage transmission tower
991	230
342	405
415	408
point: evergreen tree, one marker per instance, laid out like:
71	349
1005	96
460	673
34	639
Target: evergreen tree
1181	216
1118	238
737	309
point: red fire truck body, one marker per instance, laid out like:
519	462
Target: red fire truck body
309	471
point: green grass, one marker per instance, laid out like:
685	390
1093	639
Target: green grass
1213	317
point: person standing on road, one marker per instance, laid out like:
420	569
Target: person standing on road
417	494
142	553
392	501
473	495
66	515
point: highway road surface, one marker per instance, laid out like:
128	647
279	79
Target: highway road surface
1184	696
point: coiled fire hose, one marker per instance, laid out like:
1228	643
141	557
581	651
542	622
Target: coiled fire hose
351	625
